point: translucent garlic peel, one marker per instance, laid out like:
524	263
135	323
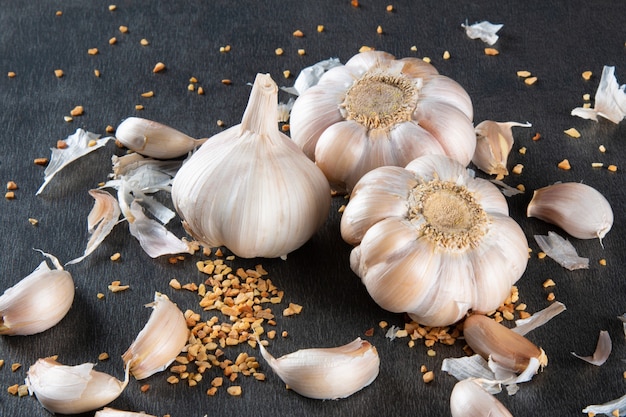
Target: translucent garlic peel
377	111
562	251
250	188
470	399
327	373
410	258
160	341
579	209
602	352
610	99
72	389
494	141
154	139
37	302
484	30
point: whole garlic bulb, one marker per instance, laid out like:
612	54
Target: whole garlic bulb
376	111
250	188
433	241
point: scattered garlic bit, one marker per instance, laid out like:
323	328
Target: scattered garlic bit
485	31
58	73
103	356
609	100
365	48
279	51
139	107
491	51
301	52
612	168
15	366
602	352
602	262
116	286
548	283
523	74
77	111
144	42
586	75
428	376
40	161
292	309
225	49
541	255
116	256
92	51
413	48
446	54
159	67
234	390
320	28
530	80
517	169
112	7
9	195
147	94
112	41
379	30
564	165
11	74
298	34
597	164
123	29
390	8
354	3
602	148
572	132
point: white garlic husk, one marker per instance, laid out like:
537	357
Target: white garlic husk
470	399
579	209
72	389
160	341
250	188
327	373
38	302
376	111
433	241
494	141
112	412
154	139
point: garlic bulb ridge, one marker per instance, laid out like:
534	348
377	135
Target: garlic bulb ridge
250	188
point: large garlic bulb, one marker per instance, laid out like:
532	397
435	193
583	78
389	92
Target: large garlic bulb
433	241
376	111
250	188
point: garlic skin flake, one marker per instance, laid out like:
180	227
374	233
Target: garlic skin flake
610	99
72	389
250	188
484	30
38	302
579	209
470	399
494	141
160	341
154	139
602	352
377	111
327	373
435	264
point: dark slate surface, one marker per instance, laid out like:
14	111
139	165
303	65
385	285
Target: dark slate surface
556	41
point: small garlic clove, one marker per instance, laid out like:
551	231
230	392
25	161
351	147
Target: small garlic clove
469	399
579	209
154	139
504	347
111	412
327	373
38	302
160	341
72	389
494	141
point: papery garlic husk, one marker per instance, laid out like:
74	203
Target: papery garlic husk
160	341
154	139
494	141
327	373
111	412
579	209
469	399
250	188
38	302
376	111
72	389
506	348
433	241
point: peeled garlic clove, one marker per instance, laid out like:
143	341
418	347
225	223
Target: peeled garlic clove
577	208
37	302
72	389
494	141
160	341
327	373
469	399
111	412
492	340
155	139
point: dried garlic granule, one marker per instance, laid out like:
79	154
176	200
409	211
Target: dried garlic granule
144	42
586	75
298	34
58	73
92	51
158	67
446	55
491	51
565	165
77	111
572	132
530	80
523	74
612	168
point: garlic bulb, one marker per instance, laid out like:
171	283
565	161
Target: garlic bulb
494	141
433	241
376	111
580	210
250	188
38	302
160	341
154	139
470	399
72	389
327	373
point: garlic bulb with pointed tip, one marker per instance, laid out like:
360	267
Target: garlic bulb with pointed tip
579	209
154	139
250	188
433	241
377	110
469	399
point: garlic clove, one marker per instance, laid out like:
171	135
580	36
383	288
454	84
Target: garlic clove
160	341
111	412
72	389
494	141
469	399
579	209
504	347
154	139
38	302
450	92
327	373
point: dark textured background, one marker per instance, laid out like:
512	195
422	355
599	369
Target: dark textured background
555	40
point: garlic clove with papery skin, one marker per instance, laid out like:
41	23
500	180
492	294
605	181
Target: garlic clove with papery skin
154	139
494	141
72	389
470	399
250	188
160	341
38	302
327	373
579	209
